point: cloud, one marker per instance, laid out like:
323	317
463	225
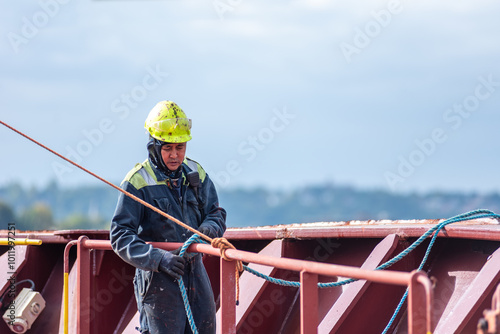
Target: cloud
231	73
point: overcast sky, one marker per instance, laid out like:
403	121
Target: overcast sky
395	95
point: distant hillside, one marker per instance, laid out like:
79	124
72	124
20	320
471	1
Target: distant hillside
341	203
93	206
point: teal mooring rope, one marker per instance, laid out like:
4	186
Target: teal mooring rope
182	287
476	214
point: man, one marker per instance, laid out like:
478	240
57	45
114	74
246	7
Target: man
180	187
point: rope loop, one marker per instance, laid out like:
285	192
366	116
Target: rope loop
223	244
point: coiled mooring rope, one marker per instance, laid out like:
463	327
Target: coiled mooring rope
476	214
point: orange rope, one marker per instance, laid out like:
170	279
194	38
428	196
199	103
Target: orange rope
221	243
146	204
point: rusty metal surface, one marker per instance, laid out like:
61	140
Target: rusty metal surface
265	307
85	316
353	293
42	265
332	270
129	319
9	266
489	323
478	286
378	301
481	229
11	263
254	287
52	294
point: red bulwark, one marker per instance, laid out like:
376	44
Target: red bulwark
449	296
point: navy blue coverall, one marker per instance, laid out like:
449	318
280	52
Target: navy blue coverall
158	296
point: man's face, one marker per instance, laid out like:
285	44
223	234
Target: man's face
173	155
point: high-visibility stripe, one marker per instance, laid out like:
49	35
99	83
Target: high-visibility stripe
147	177
192	165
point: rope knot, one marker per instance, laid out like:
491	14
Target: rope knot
223	244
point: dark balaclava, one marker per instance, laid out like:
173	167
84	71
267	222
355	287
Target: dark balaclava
154	150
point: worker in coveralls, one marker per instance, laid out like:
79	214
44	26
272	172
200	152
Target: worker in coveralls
180	187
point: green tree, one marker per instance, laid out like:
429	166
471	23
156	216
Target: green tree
6	215
37	217
79	221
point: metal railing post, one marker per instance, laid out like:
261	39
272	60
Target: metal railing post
420	297
420	294
228	296
308	303
66	286
83	287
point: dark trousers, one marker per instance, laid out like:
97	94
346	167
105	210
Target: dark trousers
160	303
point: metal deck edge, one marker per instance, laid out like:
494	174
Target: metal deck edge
484	229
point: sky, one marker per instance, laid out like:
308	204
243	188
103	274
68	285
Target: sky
401	96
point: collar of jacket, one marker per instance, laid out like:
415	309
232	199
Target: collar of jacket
148	174
160	176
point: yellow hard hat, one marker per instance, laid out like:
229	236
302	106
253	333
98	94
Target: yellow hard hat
167	122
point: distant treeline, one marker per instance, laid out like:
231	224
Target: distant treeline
91	207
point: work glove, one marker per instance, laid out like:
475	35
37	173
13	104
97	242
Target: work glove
172	265
176	251
208	230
